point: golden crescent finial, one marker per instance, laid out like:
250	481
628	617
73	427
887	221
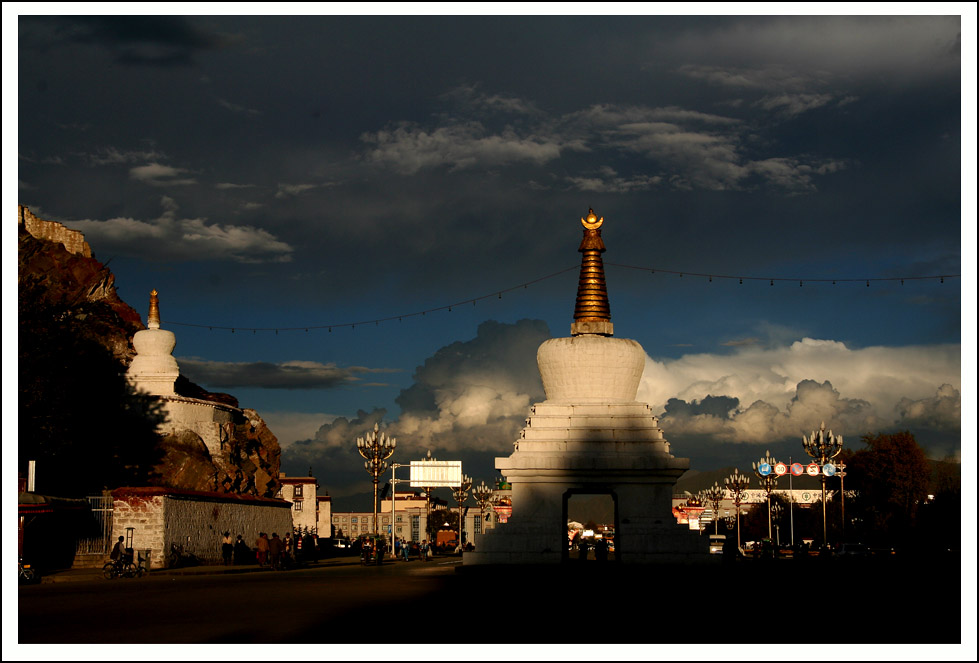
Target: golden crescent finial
592	222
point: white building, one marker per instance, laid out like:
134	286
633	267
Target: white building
300	492
410	519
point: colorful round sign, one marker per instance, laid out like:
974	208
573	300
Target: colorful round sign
797	469
764	469
829	469
812	470
780	469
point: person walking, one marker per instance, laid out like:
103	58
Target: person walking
276	548
227	548
241	551
405	549
263	548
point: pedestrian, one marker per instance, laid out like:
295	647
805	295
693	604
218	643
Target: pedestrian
263	548
397	547
276	548
288	547
241	551
227	548
405	549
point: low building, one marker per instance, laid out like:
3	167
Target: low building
300	492
161	519
409	521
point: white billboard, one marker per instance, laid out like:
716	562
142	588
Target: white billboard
436	473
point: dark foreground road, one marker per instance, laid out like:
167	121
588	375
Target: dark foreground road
866	602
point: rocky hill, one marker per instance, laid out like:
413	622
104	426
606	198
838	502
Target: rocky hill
57	263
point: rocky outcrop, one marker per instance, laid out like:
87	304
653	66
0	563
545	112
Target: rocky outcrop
59	263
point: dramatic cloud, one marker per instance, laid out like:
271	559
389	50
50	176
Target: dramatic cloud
686	148
173	238
409	148
850	46
472	397
771	394
137	40
291	426
156	174
108	156
267	375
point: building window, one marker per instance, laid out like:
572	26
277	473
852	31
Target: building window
477	525
298	506
297	491
397	518
354	519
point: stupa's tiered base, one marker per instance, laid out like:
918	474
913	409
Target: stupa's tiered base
614	449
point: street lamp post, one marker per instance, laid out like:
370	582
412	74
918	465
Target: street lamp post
461	493
767	479
376	448
482	494
822	446
713	496
737	483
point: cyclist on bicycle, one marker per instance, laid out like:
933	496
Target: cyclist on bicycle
118	553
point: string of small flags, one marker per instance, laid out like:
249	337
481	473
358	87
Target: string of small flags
499	295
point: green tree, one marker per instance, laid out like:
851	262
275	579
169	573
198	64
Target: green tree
78	416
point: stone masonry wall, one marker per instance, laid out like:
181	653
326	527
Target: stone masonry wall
193	519
72	240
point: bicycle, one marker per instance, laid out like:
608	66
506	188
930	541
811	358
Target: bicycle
123	569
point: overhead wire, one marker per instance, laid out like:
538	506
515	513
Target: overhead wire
710	276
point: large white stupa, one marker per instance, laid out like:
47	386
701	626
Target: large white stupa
590	437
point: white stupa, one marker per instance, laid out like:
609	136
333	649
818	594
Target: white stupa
154	371
590	437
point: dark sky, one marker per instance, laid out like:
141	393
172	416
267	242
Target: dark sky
278	174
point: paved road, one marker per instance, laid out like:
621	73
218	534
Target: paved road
800	602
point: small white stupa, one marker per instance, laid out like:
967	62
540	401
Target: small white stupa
155	371
590	437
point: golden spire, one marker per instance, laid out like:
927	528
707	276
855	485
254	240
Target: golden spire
153	319
591	311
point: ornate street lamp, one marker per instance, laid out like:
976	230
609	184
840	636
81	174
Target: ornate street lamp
461	493
822	447
376	448
737	483
765	471
713	496
482	494
777	510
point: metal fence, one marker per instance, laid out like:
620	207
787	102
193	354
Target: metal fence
100	543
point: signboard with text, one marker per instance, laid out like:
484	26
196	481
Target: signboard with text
436	474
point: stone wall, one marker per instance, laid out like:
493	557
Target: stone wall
72	240
213	422
195	520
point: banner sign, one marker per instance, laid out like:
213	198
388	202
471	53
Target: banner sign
436	474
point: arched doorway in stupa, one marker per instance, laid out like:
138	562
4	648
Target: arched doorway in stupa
591	516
